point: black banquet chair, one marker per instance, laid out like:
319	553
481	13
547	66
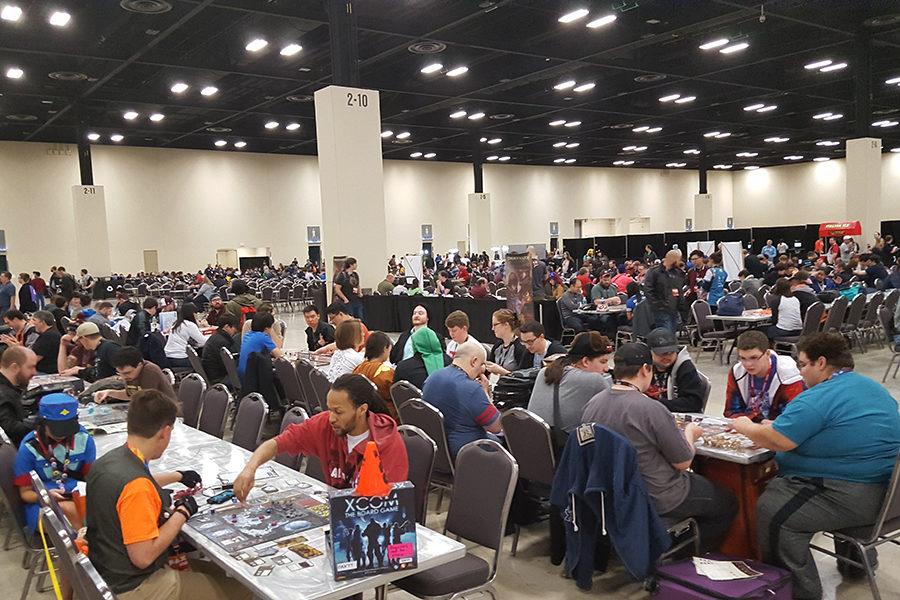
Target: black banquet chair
190	394
293	415
426	417
485	480
248	424
421	450
216	403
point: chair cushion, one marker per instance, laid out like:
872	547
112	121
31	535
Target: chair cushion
463	574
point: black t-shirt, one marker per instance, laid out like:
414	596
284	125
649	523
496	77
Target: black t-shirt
347	281
102	366
874	272
47	347
126	306
312	337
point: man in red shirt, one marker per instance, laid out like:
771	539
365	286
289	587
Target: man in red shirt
585	278
40	288
356	414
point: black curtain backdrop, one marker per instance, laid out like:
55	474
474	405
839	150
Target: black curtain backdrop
635	243
683	237
614	246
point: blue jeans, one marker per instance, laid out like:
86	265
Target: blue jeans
666	320
356	308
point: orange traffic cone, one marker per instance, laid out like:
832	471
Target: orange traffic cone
372	481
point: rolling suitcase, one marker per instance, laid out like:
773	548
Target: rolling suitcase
680	581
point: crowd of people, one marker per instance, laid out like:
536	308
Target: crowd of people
838	459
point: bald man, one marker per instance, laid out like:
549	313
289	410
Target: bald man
17	366
663	285
462	393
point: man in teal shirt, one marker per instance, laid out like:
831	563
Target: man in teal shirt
837	444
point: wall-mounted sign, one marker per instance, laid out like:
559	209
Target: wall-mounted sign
729	223
427	234
688	224
554	228
314	235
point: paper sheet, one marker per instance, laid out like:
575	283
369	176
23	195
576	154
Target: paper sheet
724	570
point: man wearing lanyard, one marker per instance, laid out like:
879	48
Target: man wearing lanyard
762	382
837	443
60	451
132	521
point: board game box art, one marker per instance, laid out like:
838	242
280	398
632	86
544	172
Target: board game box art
237	527
373	534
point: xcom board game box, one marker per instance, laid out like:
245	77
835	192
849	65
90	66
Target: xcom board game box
373	534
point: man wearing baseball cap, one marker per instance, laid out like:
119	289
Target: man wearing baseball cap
88	336
60	451
664	453
676	382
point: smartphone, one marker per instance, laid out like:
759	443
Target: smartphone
221	497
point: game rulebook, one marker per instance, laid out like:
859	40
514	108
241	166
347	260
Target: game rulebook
373	534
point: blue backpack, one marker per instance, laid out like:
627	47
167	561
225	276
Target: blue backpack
731	305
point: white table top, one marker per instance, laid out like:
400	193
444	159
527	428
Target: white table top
749	316
609	310
212	457
746	454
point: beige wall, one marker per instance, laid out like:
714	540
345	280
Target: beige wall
188	203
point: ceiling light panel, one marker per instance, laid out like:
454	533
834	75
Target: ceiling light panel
734	48
432	68
289	50
10	12
602	21
573	16
713	44
256	45
60	18
457	71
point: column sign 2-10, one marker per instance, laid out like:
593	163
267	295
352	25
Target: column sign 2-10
359	100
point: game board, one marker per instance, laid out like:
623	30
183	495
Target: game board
97	415
237	527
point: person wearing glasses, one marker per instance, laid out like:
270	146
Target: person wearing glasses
836	444
762	382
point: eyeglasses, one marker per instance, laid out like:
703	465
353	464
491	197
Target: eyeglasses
750	359
494	324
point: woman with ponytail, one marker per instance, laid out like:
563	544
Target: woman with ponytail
509	354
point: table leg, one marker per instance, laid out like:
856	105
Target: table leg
747	482
381	592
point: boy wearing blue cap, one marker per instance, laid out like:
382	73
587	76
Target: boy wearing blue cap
60	451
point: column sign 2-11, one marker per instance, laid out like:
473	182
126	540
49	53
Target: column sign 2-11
88	190
359	100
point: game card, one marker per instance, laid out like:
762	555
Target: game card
263	571
281	559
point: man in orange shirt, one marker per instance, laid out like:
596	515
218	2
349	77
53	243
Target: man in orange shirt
131	519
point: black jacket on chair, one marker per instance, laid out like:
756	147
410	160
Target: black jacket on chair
12	414
259	377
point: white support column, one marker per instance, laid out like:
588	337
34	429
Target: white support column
864	185
91	230
479	222
703	212
348	132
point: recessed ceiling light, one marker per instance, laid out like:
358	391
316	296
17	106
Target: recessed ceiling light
628	148
827	143
569	161
557	123
415	155
495	141
179	87
734	48
387	133
793	157
220	143
711	134
751	168
292	126
895	150
892	81
768	108
209	91
747	154
627	162
821	159
457	71
403	135
271	124
685	99
11	12
429	155
240	144
564	85
822	115
676	165
584	87
601	21
256	45
833	117
834	67
157	117
654	130
723	167
458	114
130	115
885	123
290	50
60	18
573	145
559	144
559	160
116	137
723	135
503	158
754	107
777	140
641	128
433	67
572	124
712	45
670	97
691	151
93	136
15	73
574	15
476	116
817	65
492	157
